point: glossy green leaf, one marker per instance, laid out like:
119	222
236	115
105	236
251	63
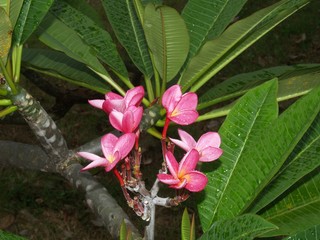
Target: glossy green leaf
253	112
216	54
31	14
59	65
89	10
244	227
246	169
10	236
293	81
91	34
15	8
129	31
185	225
60	37
5	33
303	159
168	39
206	18
4	4
299	209
312	233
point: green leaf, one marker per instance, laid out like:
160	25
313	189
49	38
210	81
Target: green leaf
31	14
168	39
60	37
208	18
216	54
299	209
303	159
59	65
250	114
293	81
129	31
91	34
244	227
5	33
185	225
123	231
10	236
15	8
5	4
312	233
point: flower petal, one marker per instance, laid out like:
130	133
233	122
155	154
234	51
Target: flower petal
134	96
108	143
115	119
181	144
189	101
115	159
187	138
97	161
185	117
209	139
210	154
188	162
171	97
167	179
172	164
97	103
183	182
125	144
196	181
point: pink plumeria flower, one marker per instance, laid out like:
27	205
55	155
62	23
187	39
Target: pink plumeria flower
114	149
114	101
128	121
181	109
207	145
184	175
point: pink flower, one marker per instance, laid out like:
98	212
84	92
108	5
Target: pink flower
181	109
114	149
114	101
128	121
207	145
183	175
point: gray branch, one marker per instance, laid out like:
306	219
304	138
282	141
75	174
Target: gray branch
32	157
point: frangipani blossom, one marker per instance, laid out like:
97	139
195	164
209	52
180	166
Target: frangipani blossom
116	102
181	109
183	174
114	149
207	145
128	121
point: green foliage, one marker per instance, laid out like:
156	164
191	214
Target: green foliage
312	233
31	14
10	236
5	33
245	227
167	38
187	227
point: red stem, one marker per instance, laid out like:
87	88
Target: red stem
117	174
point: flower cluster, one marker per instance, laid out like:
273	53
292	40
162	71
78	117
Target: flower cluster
125	114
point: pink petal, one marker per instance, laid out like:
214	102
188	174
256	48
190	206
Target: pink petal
108	143
181	144
134	96
113	96
115	159
125	144
172	164
209	139
196	181
138	112
97	161
189	101
97	103
187	138
185	117
127	122
181	184
188	162
171	97
210	154
167	179
116	104
115	119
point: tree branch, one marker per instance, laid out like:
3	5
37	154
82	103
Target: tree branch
28	156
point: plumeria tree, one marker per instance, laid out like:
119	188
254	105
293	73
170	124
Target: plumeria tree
256	177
